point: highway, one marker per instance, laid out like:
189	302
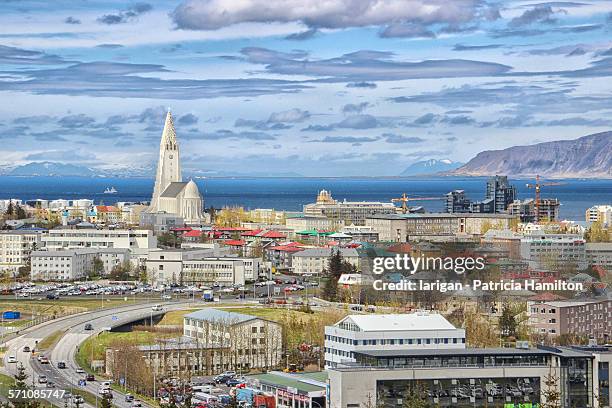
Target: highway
65	349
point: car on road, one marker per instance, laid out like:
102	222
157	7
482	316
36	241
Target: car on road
50	384
232	382
67	395
129	397
77	399
80	371
42	379
26	349
157	308
61	364
90	377
88	326
136	404
44	360
12	359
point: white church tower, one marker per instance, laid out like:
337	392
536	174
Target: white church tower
171	195
169	164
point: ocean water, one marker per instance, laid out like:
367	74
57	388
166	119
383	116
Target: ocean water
291	193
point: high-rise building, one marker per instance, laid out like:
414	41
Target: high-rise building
600	213
457	202
171	194
501	192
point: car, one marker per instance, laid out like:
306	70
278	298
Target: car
61	364
129	397
136	404
222	379
167	297
88	326
26	349
90	377
42	379
232	382
77	399
12	359
80	371
50	384
44	360
67	395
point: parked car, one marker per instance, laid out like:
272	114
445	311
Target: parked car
232	382
167	297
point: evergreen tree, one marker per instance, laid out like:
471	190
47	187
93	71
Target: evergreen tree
20	213
413	399
21	383
333	272
10	211
551	394
507	322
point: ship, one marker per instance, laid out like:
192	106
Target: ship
110	190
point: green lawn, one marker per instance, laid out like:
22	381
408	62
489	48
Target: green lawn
6	383
50	340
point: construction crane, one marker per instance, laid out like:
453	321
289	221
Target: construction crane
404	200
538	187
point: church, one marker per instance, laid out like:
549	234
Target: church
172	195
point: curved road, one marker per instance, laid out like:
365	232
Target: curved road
65	349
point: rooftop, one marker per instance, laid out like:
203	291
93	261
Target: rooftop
222	316
400	322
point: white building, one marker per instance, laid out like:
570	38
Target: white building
74	264
346	212
309	222
16	246
65	238
548	251
314	260
171	194
360	333
601	213
253	342
206	271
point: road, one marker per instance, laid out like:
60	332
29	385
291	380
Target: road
66	348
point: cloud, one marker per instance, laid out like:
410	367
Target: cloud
303	35
187	120
335	14
355	108
289	116
260	124
358	122
127	15
461	47
109	46
426	119
367	66
531	32
229	134
407	30
125	80
318	128
346	139
538	14
33	120
394	138
18	56
76	121
369	85
72	20
61	155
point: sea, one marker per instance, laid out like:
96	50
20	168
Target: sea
290	194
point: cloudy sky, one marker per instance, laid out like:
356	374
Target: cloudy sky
315	87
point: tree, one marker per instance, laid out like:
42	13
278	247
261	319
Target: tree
21	383
551	393
97	267
333	272
597	233
10	210
106	401
20	213
414	398
507	322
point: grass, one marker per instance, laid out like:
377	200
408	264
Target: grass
174	317
87	396
270	313
50	340
6	382
58	307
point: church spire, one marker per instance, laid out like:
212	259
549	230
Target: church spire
168	139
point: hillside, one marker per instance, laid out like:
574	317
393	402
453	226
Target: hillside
586	157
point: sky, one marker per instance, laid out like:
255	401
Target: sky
309	87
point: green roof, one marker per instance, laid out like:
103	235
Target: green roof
314	232
283	380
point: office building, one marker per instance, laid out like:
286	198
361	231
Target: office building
67	238
253	342
554	251
591	318
313	261
346	212
16	246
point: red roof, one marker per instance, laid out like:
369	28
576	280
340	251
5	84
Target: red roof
179	229
234	242
403	248
286	248
193	234
232	229
273	234
601	272
252	233
546	297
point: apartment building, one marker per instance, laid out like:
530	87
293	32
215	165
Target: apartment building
599	254
389	332
583	318
347	212
74	264
599	213
553	251
303	222
252	342
64	238
435	226
16	246
313	261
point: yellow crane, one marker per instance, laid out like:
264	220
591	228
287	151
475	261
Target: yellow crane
404	199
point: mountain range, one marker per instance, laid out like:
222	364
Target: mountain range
431	166
586	157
